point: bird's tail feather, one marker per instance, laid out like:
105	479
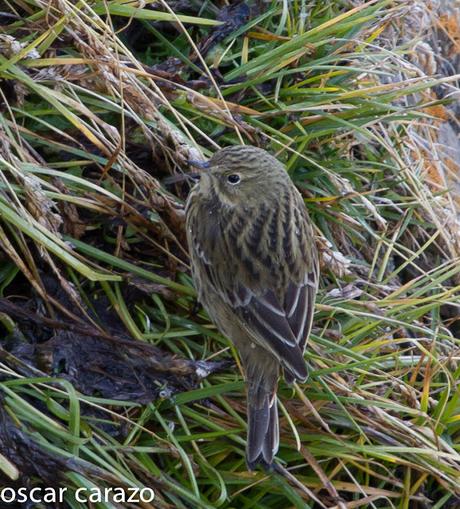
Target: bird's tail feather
263	428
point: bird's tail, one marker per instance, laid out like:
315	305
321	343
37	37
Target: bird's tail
263	428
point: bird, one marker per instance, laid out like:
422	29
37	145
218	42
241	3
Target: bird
254	265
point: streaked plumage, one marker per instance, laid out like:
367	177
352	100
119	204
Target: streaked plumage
255	268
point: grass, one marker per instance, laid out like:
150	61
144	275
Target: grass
101	102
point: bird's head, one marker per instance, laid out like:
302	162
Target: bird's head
242	174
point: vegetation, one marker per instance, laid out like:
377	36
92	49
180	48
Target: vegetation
110	375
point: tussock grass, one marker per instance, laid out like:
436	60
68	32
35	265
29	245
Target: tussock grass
94	119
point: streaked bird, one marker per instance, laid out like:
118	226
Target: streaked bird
255	268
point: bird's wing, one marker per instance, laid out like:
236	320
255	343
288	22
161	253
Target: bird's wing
281	329
265	268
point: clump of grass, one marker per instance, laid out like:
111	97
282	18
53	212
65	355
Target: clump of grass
94	118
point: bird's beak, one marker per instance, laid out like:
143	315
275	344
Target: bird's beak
203	165
193	175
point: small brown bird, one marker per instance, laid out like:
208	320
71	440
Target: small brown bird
255	268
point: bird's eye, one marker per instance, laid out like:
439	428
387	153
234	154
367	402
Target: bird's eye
233	179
